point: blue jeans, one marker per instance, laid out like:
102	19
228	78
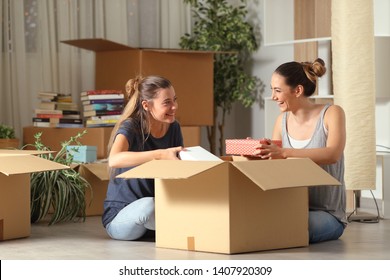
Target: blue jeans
133	221
323	226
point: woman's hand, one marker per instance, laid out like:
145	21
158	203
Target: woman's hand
170	153
268	150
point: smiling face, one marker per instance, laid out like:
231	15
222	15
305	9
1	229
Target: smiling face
163	107
283	94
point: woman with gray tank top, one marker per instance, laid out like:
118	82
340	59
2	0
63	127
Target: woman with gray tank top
314	131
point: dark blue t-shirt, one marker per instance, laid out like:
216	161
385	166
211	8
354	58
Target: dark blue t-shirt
122	192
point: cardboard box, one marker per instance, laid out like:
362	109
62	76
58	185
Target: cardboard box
82	154
97	175
15	169
191	135
245	146
52	137
232	207
191	73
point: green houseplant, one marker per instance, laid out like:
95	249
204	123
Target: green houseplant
222	27
8	139
60	191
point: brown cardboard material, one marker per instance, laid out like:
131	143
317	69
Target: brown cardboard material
191	73
97	175
232	207
52	137
191	135
15	169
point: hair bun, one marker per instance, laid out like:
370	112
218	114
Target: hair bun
132	86
318	67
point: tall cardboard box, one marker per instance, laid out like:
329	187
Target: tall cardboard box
191	73
15	169
53	136
191	135
232	207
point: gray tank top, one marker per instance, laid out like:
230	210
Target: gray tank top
327	198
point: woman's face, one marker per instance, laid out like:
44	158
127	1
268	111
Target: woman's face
163	107
282	93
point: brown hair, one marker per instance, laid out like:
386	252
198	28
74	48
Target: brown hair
302	73
137	90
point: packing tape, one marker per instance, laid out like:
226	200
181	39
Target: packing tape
191	243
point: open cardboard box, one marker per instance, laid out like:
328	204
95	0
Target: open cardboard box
232	206
15	169
97	176
191	73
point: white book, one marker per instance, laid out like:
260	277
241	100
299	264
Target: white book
197	153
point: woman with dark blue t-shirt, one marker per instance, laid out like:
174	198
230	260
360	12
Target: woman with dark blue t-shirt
147	130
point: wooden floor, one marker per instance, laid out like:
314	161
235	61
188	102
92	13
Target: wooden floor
89	241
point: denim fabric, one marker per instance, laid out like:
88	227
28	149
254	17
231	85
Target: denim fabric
323	226
133	221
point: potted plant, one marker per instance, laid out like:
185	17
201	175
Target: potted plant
8	139
61	192
223	28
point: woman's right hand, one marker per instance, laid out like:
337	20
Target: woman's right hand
171	153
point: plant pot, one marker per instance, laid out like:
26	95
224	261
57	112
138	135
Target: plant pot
9	143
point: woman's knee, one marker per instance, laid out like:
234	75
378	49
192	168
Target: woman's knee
323	226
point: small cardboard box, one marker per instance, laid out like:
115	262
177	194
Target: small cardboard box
52	137
97	175
245	146
232	207
15	169
83	154
191	73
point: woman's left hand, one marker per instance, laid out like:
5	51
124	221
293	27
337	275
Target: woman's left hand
268	150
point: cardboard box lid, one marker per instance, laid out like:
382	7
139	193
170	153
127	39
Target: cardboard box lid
23	152
100	170
169	169
267	174
97	45
285	173
101	45
21	164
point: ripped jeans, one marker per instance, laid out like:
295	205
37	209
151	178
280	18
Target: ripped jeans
133	221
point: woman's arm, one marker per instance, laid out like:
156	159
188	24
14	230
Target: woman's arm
121	157
334	121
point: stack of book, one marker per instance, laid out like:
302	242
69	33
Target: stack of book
101	107
56	110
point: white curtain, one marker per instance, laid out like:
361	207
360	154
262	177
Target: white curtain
33	59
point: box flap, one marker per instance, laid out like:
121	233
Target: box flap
23	152
285	173
188	51
169	169
21	164
97	45
100	45
100	170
